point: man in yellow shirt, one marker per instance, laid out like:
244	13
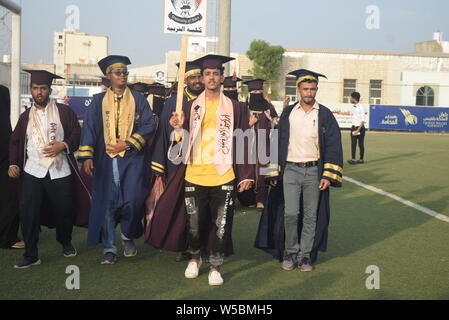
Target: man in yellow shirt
213	169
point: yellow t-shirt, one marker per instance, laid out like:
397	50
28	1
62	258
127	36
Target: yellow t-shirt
201	170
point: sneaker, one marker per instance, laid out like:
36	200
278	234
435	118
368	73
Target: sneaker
215	278
109	258
130	249
26	263
360	161
289	262
69	250
183	256
18	245
260	205
305	265
352	162
193	269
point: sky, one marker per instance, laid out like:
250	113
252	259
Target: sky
135	29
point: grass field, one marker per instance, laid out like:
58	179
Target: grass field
410	248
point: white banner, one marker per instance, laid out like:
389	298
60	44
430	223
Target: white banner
342	112
186	17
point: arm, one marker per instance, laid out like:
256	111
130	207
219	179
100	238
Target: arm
159	158
333	153
245	172
90	131
141	135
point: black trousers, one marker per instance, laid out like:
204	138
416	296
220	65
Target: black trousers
361	140
59	193
209	209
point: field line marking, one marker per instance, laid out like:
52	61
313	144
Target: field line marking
413	205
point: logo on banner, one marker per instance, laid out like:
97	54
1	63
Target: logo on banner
410	119
186	10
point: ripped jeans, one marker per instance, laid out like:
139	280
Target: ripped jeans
210	214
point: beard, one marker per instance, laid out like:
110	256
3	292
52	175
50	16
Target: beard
196	92
41	101
257	102
158	105
231	94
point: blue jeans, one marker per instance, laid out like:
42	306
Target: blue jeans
110	221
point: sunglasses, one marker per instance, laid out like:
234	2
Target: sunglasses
119	73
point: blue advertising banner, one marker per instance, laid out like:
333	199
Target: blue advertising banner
79	105
409	118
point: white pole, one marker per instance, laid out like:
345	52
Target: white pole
15	68
15	58
224	38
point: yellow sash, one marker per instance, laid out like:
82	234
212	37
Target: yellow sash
123	120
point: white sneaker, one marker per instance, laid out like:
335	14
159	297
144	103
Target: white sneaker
193	269
215	278
260	205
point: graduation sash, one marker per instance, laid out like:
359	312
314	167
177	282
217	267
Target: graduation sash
44	133
118	123
223	134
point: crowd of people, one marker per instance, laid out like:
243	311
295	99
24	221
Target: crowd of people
168	176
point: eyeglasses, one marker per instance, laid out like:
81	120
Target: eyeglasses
119	73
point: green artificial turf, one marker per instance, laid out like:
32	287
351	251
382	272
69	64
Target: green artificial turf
409	247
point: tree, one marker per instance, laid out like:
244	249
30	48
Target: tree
267	60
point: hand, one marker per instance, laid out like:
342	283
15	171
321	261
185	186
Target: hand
117	148
54	148
14	172
324	184
88	167
245	185
177	122
286	102
274	183
253	120
268	99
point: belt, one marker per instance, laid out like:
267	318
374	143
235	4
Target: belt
304	164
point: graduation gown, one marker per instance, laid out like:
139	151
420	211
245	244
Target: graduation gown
9	202
160	165
72	131
169	224
133	169
267	121
271	233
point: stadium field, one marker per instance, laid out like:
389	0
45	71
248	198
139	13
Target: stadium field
409	247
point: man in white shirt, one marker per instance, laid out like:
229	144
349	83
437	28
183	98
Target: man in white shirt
42	147
358	129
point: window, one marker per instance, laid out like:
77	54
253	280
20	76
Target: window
290	88
425	97
60	36
375	92
349	86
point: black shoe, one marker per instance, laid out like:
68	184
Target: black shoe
352	162
360	161
26	263
130	249
69	250
183	256
109	258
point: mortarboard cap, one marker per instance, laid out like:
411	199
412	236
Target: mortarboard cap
256	84
110	62
212	61
231	82
191	69
304	74
42	77
157	89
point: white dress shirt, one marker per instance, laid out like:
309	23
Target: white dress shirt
304	141
358	115
32	166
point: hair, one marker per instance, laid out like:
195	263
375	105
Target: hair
307	81
221	70
356	96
